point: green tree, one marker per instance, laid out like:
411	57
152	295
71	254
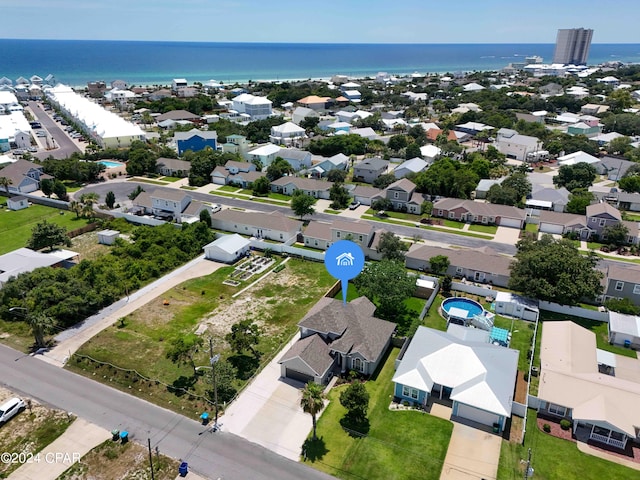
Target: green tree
260	187
110	199
41	325
48	235
278	169
439	264
502	195
519	182
355	399
337	176
630	184
60	190
426	208
245	335
205	217
447	281
309	123
75	207
137	191
302	205
617	234
397	142
580	175
339	196
622	305
391	247
383	181
89	198
579	200
226	375
555	271
382	204
46	185
6	182
183	349
312	402
388	285
412	151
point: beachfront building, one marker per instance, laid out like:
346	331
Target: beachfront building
106	128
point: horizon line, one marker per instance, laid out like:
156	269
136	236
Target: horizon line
300	43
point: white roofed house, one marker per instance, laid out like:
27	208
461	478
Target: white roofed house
430	153
624	330
514	145
265	153
414	165
227	248
461	365
258	108
287	134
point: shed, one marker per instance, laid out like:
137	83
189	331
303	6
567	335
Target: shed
227	248
17	203
516	306
108	237
624	330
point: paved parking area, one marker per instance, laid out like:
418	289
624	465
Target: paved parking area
268	412
507	235
472	454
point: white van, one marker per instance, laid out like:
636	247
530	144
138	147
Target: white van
9	408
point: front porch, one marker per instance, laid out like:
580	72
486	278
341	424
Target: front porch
601	436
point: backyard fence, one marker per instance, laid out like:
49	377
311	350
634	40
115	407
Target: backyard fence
79	231
473	289
289	250
575	311
47	202
432	297
519	409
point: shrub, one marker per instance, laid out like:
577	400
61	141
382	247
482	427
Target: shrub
546	427
565	424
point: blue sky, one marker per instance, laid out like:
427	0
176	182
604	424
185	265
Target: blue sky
349	21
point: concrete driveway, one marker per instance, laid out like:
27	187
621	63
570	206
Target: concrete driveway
507	235
472	454
268	412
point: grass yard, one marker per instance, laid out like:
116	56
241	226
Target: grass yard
170	179
279	196
333	212
15	227
451	223
531	227
492	229
399	444
146	180
230	188
185	187
141	340
554	458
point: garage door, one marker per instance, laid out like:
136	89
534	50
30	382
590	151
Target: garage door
477	415
550	228
510	222
301	377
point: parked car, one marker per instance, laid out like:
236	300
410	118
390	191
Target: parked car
215	208
354	205
10	408
32	149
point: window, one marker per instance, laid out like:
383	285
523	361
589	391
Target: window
440	213
452	214
636	289
358	364
620	286
594	220
338	234
458	269
602	222
395	194
316	243
410	392
360	237
557	410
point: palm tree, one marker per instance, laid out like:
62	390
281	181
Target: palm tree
89	198
41	325
75	207
5	182
87	210
312	402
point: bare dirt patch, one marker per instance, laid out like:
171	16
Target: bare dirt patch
114	460
88	247
521	388
30	430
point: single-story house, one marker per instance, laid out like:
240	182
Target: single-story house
483	265
309	186
556	198
462	366
624	330
17	203
173	167
621	200
347	337
176	115
273	226
517	306
485	213
557	223
364	194
430	153
597	390
298	159
25	260
414	165
227	249
613	167
485	184
577	157
338	162
301	113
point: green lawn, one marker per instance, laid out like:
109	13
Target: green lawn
146	180
531	227
170	179
451	223
399	444
334	212
141	341
594	245
15	227
230	188
492	229
279	196
554	458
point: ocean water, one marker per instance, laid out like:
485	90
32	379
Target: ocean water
75	62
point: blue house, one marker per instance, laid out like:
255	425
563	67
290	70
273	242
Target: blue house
195	140
459	366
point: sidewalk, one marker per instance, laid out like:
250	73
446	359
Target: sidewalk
73	338
67	449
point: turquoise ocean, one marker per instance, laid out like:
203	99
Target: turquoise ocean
75	62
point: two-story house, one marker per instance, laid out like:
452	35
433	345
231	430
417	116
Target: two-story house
370	169
287	134
237	173
169	202
258	108
622	281
403	196
195	140
514	145
24	176
602	215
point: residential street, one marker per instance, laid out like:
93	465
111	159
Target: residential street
213	455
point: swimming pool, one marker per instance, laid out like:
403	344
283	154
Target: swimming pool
110	164
464	306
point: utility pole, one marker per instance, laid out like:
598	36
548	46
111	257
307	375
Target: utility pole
150	459
526	471
213	359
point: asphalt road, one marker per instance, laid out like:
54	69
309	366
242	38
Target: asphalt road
65	145
122	189
213	455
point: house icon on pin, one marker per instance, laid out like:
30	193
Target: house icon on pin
345	260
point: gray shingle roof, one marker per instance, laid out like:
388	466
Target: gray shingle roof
313	351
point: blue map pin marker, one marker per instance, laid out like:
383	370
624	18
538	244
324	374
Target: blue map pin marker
344	260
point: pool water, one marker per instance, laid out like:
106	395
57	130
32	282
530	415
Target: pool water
474	308
109	164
